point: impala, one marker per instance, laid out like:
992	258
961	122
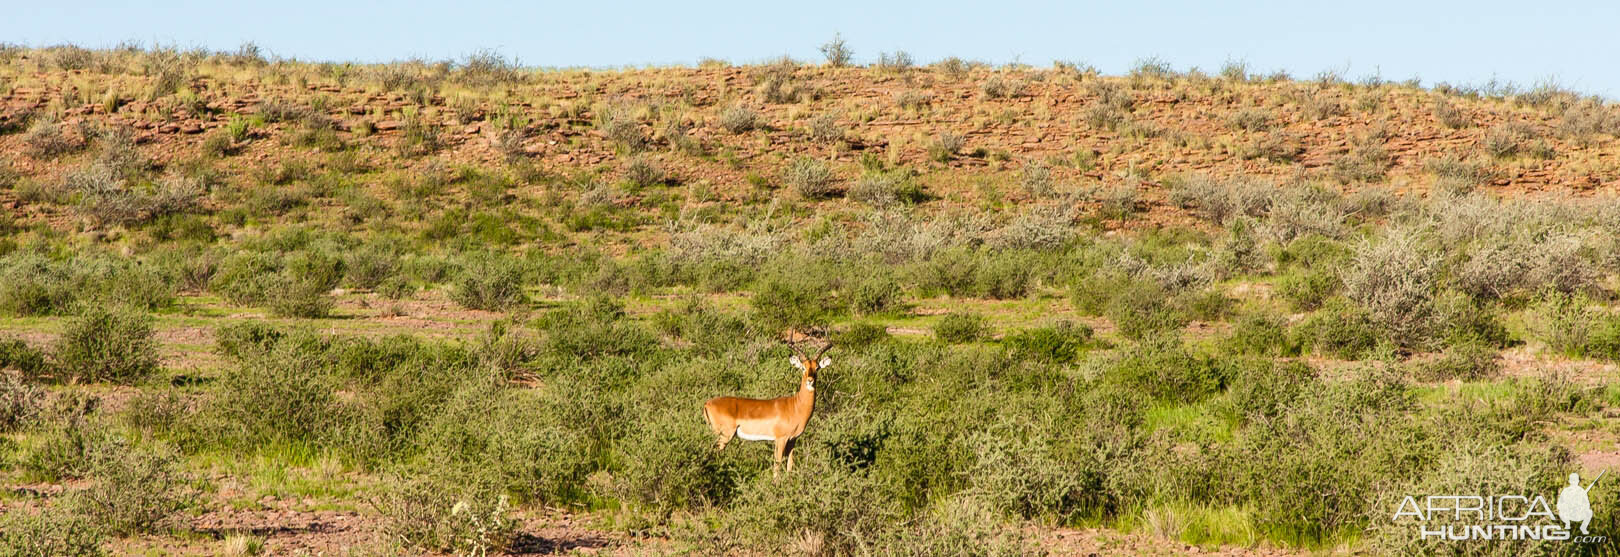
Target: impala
779	420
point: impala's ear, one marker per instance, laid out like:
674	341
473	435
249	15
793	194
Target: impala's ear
823	364
796	362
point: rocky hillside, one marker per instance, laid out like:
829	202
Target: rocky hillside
257	133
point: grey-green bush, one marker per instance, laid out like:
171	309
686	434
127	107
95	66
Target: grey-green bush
792	301
958	328
20	401
1062	343
489	282
277	396
877	294
1341	329
18	355
1140	308
810	178
55	531
1395	281
133	490
106	344
447	510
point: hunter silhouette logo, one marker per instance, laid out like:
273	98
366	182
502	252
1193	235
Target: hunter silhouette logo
1504	517
1573	505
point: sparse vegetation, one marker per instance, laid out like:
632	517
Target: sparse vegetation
471	301
810	178
739	119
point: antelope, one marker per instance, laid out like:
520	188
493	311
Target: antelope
779	420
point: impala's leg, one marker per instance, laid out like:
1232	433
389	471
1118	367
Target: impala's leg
790	446
725	438
781	447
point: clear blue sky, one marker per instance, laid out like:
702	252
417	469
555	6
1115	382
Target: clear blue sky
1573	43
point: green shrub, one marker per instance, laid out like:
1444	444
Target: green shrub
1091	294
593	329
1603	340
290	296
133	491
34	285
524	442
1141	308
189	268
20	402
1312	251
962	526
838	511
1470	467
240	340
1564	322
709	330
102	344
1209	304
157	411
489	282
1467	361
447	511
370	266
1306	289
810	178
55	531
876	295
397	288
1062	343
1463	320
1341	329
314	268
408	383
18	355
1015	472
1263	389
1259	334
1162	367
959	328
1312	471
861	334
430	269
111	280
950	271
1003	278
792	302
671	464
505	347
279	396
246	278
67	449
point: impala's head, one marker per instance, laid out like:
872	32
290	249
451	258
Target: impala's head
810	366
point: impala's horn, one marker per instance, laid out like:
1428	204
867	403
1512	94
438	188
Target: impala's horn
824	350
796	349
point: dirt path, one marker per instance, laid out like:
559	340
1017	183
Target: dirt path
1098	541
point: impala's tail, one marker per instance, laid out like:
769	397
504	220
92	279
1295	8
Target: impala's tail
707	418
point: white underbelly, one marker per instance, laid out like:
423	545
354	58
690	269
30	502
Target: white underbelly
746	436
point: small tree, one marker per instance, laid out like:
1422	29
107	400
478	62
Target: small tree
838	54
